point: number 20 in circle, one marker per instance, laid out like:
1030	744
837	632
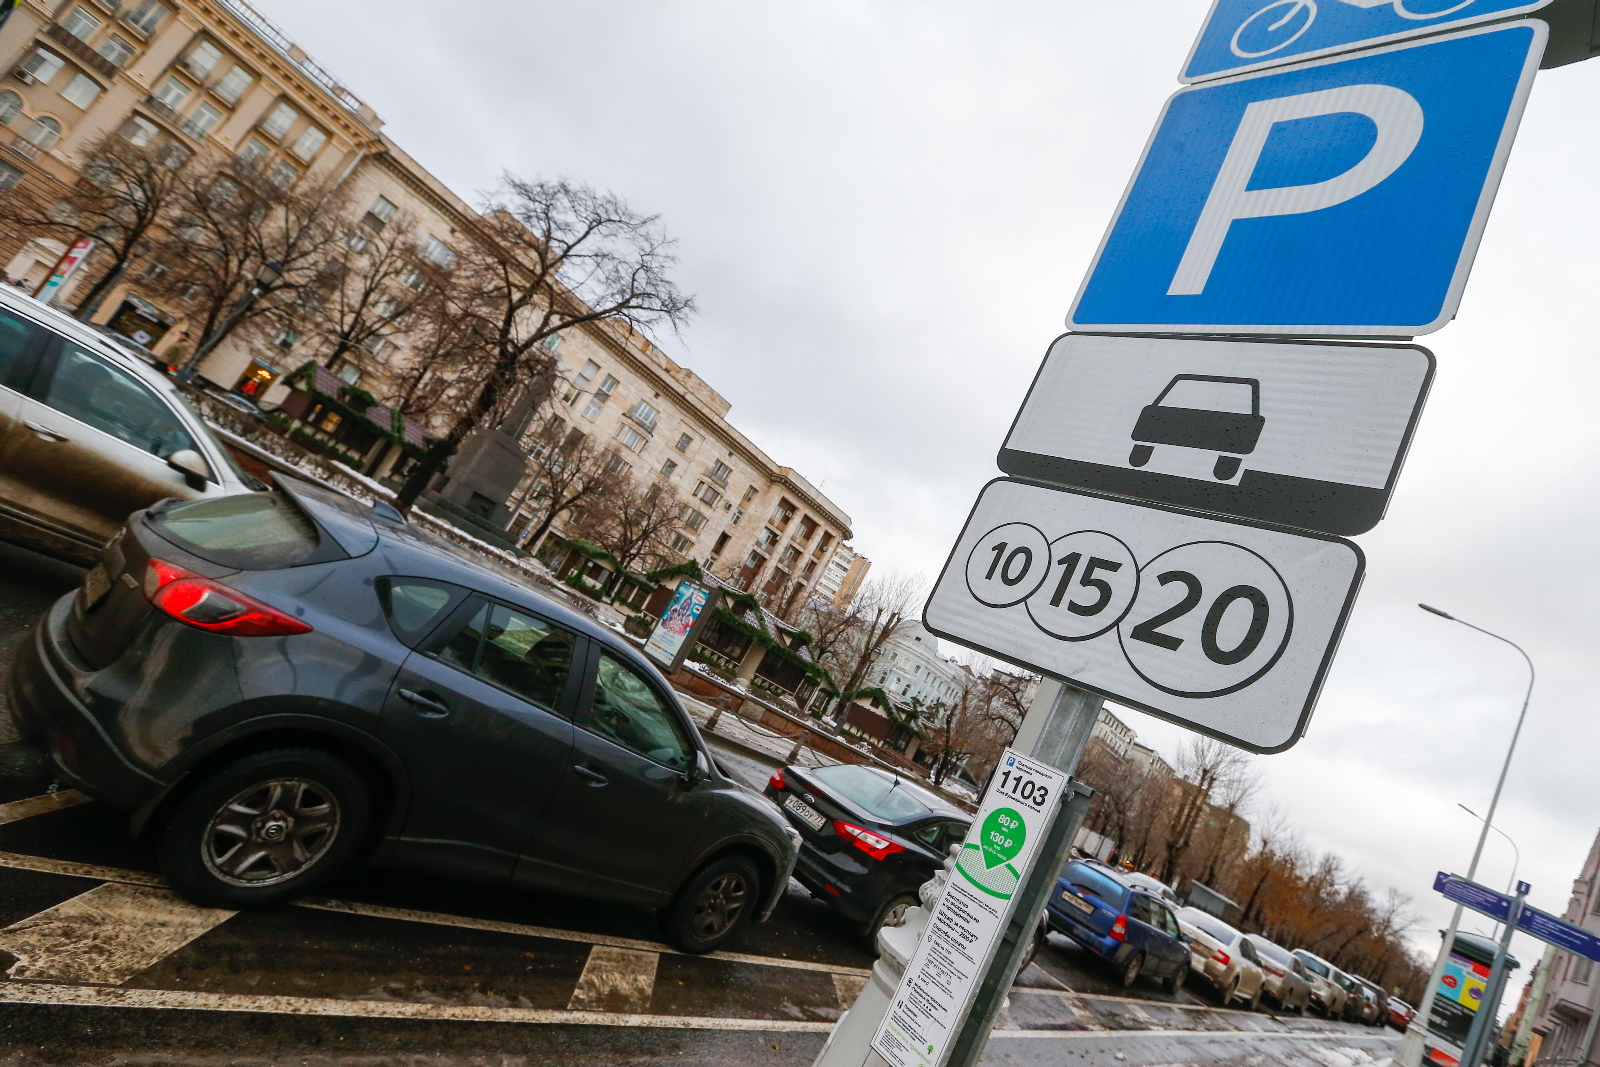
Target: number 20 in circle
1209	619
1093	582
1007	564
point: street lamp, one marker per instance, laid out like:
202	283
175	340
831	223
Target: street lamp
1411	1050
1515	851
268	275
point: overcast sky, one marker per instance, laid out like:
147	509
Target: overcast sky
884	208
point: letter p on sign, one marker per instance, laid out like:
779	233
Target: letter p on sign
1395	112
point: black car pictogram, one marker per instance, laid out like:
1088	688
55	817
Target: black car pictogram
1208	429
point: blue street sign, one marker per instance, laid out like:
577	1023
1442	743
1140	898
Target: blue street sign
1241	35
1475	896
1560	933
1344	197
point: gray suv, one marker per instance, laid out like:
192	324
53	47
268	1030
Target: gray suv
279	686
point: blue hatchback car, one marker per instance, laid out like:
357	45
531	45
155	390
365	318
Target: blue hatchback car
1130	928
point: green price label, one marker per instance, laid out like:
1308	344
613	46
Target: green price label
1003	835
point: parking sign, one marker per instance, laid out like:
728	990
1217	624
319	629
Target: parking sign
1343	197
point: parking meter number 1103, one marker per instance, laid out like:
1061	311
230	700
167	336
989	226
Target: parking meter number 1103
1024	788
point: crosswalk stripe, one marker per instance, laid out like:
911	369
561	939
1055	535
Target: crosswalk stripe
41	805
847	987
108	934
616	979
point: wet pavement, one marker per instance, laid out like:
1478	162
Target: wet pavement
100	963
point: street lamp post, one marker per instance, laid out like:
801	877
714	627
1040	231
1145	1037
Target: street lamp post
1516	853
1412	1048
267	279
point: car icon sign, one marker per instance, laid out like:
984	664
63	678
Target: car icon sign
1212	428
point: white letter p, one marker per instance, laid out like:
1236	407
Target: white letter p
1399	120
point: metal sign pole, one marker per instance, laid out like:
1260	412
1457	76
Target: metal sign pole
1483	1025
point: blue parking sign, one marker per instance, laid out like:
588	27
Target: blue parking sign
1242	35
1342	197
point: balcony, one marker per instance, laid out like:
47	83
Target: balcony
163	111
23	147
81	52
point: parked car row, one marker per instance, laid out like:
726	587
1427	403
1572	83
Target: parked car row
1133	922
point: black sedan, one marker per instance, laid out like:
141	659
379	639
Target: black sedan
280	686
868	838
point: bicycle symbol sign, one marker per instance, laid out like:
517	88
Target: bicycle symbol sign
1224	627
1242	35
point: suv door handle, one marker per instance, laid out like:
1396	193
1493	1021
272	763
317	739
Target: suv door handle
428	705
44	431
596	779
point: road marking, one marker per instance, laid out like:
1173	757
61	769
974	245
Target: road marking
184	1000
847	987
41	805
44	865
108	934
616	980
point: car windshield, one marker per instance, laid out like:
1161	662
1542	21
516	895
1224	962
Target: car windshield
1232	397
876	792
1088	878
1315	965
1210	925
1271	951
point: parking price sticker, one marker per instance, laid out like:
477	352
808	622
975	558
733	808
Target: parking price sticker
964	931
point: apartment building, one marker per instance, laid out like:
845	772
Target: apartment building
1116	735
842	578
1566	1017
911	667
187	77
757	525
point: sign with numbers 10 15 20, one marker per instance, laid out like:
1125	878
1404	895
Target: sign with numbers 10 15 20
1224	626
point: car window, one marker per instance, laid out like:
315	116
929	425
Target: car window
17	339
1215	927
1248	951
1170	921
515	651
628	711
250	531
1313	965
876	792
1086	877
414	605
1139	908
87	388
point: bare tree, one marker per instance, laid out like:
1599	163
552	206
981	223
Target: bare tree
884	609
553	256
1206	766
122	196
566	471
632	520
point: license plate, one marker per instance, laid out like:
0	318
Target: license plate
808	815
95	585
1077	902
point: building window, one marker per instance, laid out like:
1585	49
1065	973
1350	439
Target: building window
808	527
615	464
693	519
749	494
283	174
436	251
232	87
719	473
783	514
116	50
722	543
80	24
375	344
42	66
279	121
668	467
738	513
591	410
348	372
681	544
632	439
414	279
310	143
766	539
286	339
706	493
607	385
684	441
253	152
145	16
381	211
81	91
9	176
1581	969
10	104
644	414
202	122
203	60
791	556
173	93
581	382
44	132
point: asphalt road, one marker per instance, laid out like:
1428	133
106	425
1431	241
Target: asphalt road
99	963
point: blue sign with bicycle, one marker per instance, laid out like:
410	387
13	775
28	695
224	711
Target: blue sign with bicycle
1243	35
1341	197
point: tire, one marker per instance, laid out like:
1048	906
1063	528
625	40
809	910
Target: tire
891	914
311	812
713	905
1175	983
1226	996
1255	1002
1131	971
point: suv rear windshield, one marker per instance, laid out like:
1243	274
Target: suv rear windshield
874	791
1107	889
249	531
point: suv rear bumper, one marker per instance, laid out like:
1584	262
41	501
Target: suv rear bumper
45	679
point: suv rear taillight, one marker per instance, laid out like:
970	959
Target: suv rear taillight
872	844
208	605
1221	957
1119	928
776	781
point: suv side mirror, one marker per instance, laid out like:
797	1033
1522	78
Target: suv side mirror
190	464
699	772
